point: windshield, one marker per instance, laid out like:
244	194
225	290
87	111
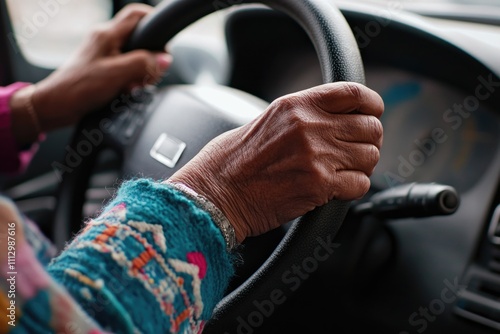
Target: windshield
451	2
478	11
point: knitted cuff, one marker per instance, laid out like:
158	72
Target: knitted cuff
217	216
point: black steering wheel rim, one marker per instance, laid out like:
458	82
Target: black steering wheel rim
340	60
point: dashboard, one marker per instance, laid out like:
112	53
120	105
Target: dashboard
433	132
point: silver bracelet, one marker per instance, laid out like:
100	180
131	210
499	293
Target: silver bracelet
218	217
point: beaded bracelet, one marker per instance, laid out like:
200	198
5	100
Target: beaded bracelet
218	217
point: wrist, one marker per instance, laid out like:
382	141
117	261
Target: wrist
217	216
26	126
218	197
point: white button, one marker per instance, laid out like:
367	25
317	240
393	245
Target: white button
167	150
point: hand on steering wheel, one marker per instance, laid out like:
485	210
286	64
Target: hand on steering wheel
302	152
96	73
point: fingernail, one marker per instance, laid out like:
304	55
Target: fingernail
164	60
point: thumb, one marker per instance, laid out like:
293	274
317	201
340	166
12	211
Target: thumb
139	68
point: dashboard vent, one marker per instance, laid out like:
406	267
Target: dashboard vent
494	262
480	301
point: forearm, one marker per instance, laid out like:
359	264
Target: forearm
151	255
25	121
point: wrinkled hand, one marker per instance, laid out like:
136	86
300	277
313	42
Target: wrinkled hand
305	150
97	73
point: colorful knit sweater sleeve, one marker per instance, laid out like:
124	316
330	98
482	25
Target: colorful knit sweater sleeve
151	262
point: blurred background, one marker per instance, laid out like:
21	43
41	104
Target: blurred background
48	31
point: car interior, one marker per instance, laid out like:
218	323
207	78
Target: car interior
420	252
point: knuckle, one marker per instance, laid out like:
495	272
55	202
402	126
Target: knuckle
133	9
285	103
100	34
376	128
142	55
298	124
363	185
305	151
303	141
143	60
314	99
355	124
318	175
314	176
344	156
354	90
357	185
373	127
373	155
381	106
324	185
297	120
352	186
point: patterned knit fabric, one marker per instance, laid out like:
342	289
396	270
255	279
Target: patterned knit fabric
151	262
30	300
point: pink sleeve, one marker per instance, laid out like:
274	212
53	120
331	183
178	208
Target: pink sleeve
12	158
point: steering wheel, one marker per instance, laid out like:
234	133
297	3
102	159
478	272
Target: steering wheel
161	130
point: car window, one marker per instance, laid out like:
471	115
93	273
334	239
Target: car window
449	2
48	31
